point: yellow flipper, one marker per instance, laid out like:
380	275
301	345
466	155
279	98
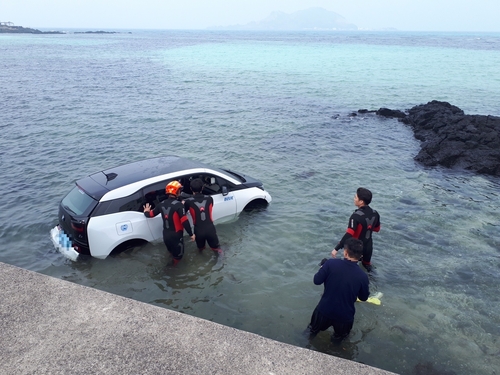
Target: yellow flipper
375	299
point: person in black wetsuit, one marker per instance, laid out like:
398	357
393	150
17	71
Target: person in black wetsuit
362	223
200	207
344	282
174	220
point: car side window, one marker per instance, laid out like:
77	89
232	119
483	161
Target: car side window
224	182
131	203
186	187
214	184
211	185
155	193
186	184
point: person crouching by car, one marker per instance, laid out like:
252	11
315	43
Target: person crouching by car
344	282
174	220
200	207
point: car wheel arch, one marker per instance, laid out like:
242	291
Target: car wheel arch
128	244
256	203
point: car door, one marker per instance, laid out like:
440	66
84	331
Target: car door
123	220
224	200
154	194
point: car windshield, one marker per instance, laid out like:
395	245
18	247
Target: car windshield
240	177
78	202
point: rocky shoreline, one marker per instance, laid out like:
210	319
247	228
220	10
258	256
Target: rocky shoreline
9	28
452	139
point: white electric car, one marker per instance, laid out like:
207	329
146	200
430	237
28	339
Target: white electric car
103	213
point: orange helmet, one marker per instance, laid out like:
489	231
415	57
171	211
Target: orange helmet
173	187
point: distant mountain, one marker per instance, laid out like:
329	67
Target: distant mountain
308	19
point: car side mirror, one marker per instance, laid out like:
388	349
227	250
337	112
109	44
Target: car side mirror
224	190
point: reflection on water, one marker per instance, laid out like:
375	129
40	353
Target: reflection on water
204	272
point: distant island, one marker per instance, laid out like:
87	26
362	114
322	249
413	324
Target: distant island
308	19
8	27
99	32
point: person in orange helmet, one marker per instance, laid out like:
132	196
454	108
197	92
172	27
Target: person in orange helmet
174	220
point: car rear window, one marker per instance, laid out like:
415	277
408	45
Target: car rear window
78	202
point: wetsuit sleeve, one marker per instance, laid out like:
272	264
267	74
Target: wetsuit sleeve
189	207
210	207
154	212
184	220
353	229
321	275
376	227
364	291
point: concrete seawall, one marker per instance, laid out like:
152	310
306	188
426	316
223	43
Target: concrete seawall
51	326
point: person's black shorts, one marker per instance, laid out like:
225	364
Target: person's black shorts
319	322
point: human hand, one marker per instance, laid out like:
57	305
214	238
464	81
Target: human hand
323	261
334	253
193	237
147	207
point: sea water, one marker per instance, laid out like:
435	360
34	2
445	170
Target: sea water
279	107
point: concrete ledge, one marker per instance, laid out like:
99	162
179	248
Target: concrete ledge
51	326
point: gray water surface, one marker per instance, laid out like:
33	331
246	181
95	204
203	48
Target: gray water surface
276	107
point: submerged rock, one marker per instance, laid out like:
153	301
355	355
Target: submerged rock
453	139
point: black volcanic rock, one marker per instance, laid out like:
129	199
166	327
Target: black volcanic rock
97	32
455	140
386	112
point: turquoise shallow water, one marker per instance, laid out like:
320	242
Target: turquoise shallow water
276	106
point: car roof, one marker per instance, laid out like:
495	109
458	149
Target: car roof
99	183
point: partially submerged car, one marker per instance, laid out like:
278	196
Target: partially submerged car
103	213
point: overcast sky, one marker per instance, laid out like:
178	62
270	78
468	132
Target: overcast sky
419	15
